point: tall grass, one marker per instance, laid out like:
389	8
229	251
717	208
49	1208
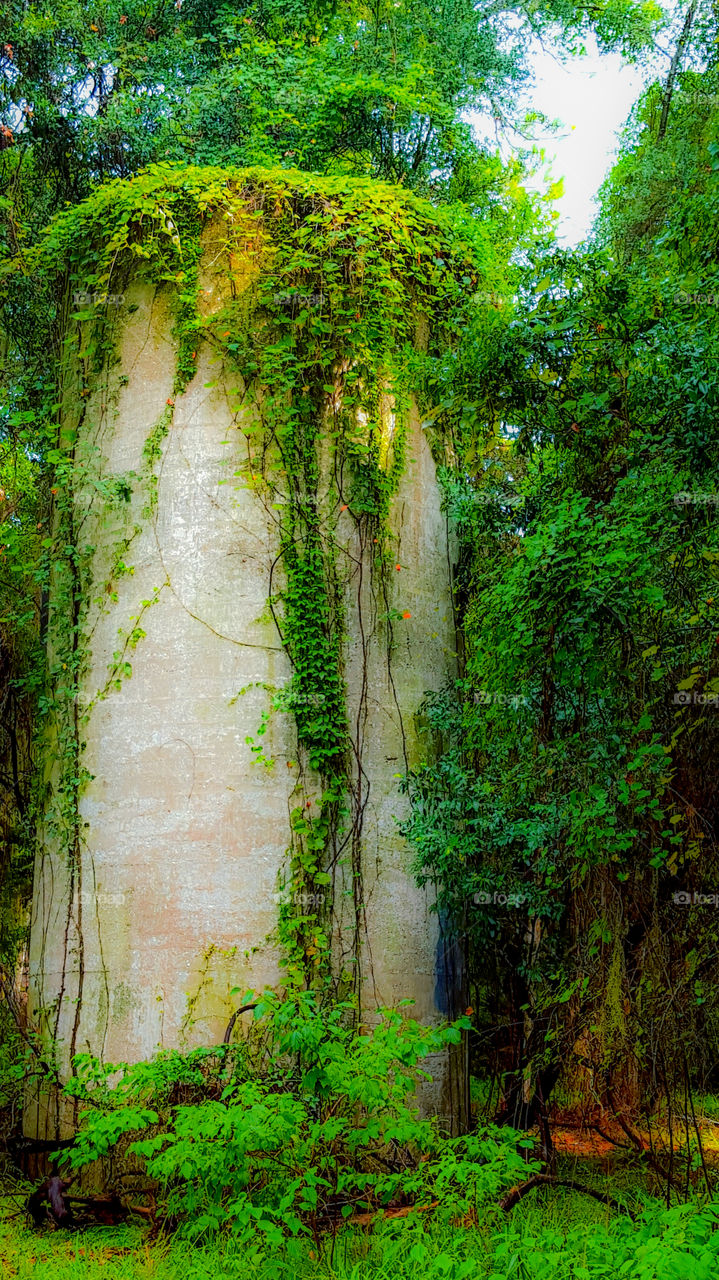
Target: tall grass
556	1236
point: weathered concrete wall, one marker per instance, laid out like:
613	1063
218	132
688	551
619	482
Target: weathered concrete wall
183	831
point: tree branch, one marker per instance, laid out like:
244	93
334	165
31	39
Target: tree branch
518	1193
674	69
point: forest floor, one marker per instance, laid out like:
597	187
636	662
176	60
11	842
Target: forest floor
587	1143
553	1234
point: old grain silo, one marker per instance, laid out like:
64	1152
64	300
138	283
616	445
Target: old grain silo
250	598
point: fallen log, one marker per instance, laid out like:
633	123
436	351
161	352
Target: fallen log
366	1219
518	1193
50	1202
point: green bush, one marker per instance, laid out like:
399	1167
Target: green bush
291	1132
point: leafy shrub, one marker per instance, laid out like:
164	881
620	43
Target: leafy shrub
294	1130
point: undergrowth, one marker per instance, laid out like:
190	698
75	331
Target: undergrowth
556	1237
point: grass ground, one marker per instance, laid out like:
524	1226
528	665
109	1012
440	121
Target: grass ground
557	1235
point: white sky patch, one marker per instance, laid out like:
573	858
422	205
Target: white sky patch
592	97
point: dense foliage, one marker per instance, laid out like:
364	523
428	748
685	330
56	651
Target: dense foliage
571	823
379	89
